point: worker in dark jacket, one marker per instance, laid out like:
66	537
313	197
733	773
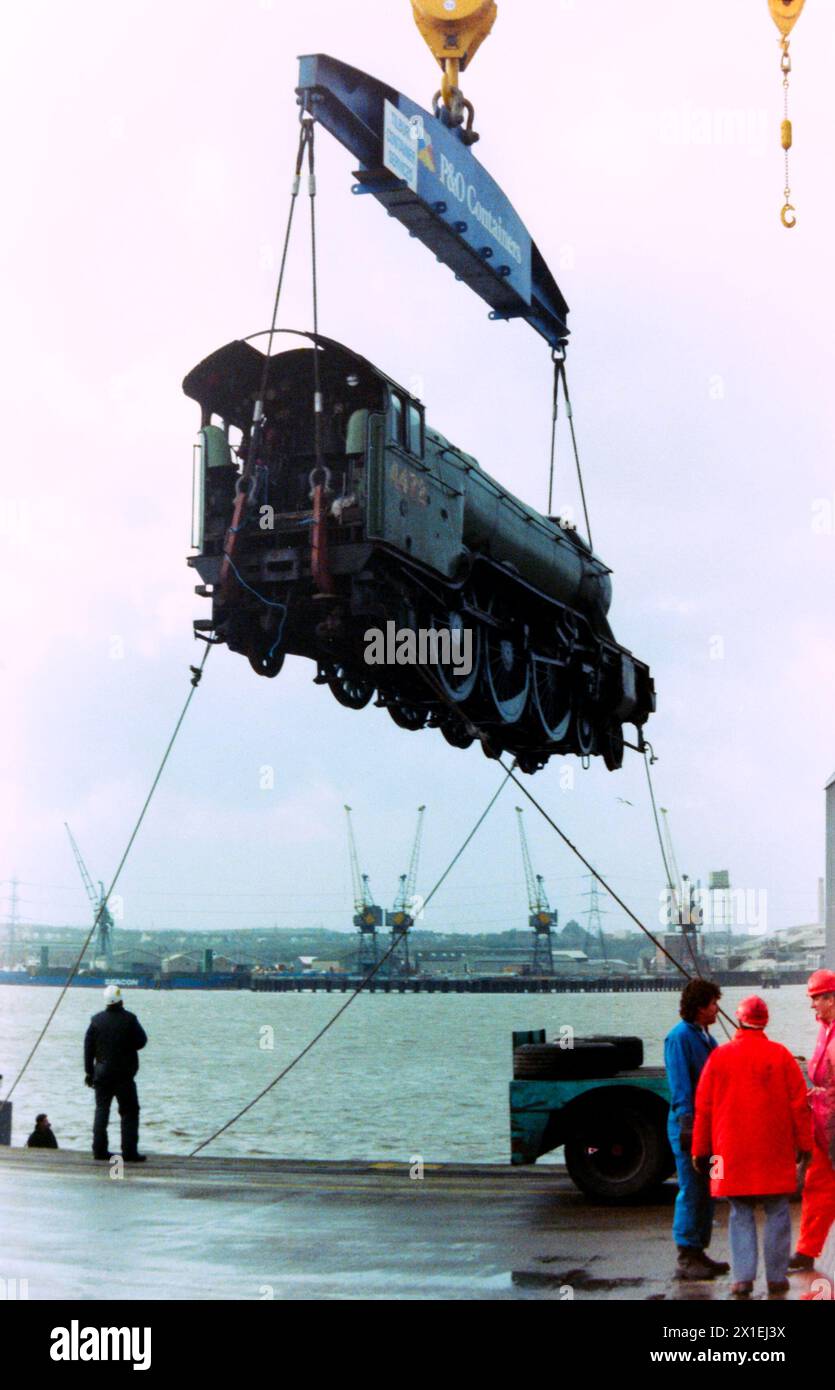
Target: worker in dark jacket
686	1050
112	1042
42	1136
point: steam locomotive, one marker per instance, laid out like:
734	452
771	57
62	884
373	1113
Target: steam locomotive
326	510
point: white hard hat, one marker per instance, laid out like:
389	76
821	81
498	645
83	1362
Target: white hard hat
112	995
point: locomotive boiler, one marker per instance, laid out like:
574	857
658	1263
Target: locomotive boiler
338	513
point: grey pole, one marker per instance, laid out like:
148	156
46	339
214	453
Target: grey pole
829	955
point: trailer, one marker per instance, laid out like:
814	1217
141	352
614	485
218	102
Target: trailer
594	1097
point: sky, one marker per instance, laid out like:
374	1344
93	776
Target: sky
148	152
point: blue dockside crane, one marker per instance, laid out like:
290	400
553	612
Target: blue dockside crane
542	917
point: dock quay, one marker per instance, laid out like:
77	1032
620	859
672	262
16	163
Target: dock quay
252	1229
500	984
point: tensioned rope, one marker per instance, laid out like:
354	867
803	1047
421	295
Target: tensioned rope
197	672
360	987
480	734
601	880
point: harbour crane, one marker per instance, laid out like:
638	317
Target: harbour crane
542	917
367	915
400	919
103	947
683	911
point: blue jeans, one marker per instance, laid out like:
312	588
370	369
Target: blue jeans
777	1241
693	1215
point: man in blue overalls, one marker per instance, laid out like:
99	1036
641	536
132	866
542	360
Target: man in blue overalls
686	1049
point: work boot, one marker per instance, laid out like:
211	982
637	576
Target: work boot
743	1289
693	1266
134	1158
799	1261
102	1158
779	1286
718	1266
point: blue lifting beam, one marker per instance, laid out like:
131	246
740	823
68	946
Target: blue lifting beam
420	169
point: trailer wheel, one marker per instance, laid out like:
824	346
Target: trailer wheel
617	1151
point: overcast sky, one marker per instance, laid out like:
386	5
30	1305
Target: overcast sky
148	156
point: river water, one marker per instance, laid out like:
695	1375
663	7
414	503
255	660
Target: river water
397	1076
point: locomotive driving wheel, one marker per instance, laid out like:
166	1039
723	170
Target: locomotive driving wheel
352	691
456	684
506	666
551	697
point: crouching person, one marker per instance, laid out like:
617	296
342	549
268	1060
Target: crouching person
752	1128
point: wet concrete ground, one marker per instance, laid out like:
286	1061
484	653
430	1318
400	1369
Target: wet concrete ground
208	1228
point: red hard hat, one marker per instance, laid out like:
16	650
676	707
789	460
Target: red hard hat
753	1012
821	982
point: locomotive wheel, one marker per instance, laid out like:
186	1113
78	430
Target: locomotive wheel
507	670
454	731
410	717
584	734
551	698
267	665
351	691
611	746
456	686
530	762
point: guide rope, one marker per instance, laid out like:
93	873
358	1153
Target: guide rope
511	773
196	674
360	987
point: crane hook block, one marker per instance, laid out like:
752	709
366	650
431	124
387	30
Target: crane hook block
785	13
454	29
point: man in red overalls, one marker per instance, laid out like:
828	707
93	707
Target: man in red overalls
818	1210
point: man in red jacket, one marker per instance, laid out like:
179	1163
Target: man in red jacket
752	1127
818	1211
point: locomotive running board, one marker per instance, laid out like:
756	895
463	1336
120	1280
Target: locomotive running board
428	179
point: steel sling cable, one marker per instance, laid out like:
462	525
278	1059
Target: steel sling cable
554	412
570	413
305	136
349	1001
197	672
318	405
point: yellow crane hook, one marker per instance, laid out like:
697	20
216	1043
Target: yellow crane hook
785	14
454	31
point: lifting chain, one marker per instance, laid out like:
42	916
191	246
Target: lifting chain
785	14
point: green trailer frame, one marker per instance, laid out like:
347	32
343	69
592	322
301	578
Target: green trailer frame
613	1128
